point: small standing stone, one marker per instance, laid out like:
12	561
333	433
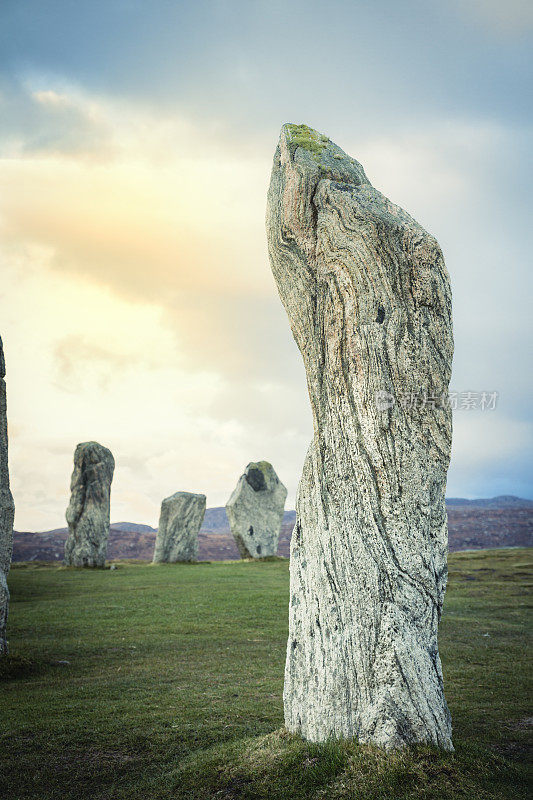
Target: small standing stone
7	510
177	535
255	511
88	511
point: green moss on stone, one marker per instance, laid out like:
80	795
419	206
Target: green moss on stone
305	137
264	466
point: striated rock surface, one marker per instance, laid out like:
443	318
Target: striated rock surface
88	511
7	509
368	299
255	511
177	536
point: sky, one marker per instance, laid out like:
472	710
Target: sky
137	304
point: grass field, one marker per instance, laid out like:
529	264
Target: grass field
166	681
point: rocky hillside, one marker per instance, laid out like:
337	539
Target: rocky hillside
473	524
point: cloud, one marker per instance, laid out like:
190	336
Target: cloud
46	122
514	17
111	369
78	361
485	437
152	215
184	231
139	299
490	450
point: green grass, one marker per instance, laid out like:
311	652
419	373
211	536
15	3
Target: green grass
174	682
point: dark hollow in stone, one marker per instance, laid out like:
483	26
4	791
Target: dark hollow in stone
256	479
381	315
251	530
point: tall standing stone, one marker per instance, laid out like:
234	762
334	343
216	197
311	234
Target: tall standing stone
255	511
88	511
7	509
368	298
181	517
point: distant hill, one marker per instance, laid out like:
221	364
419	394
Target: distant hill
502	501
504	521
216	519
133	526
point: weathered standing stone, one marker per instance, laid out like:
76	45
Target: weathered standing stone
181	517
255	511
368	298
88	511
7	509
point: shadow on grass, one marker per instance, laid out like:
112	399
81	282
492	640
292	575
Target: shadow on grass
281	765
13	667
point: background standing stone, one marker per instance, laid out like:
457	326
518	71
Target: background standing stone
7	509
368	298
88	511
181	516
255	511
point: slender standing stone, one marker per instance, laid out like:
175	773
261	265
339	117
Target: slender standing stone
368	298
255	511
88	511
181	517
7	509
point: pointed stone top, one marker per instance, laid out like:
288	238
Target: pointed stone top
315	152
